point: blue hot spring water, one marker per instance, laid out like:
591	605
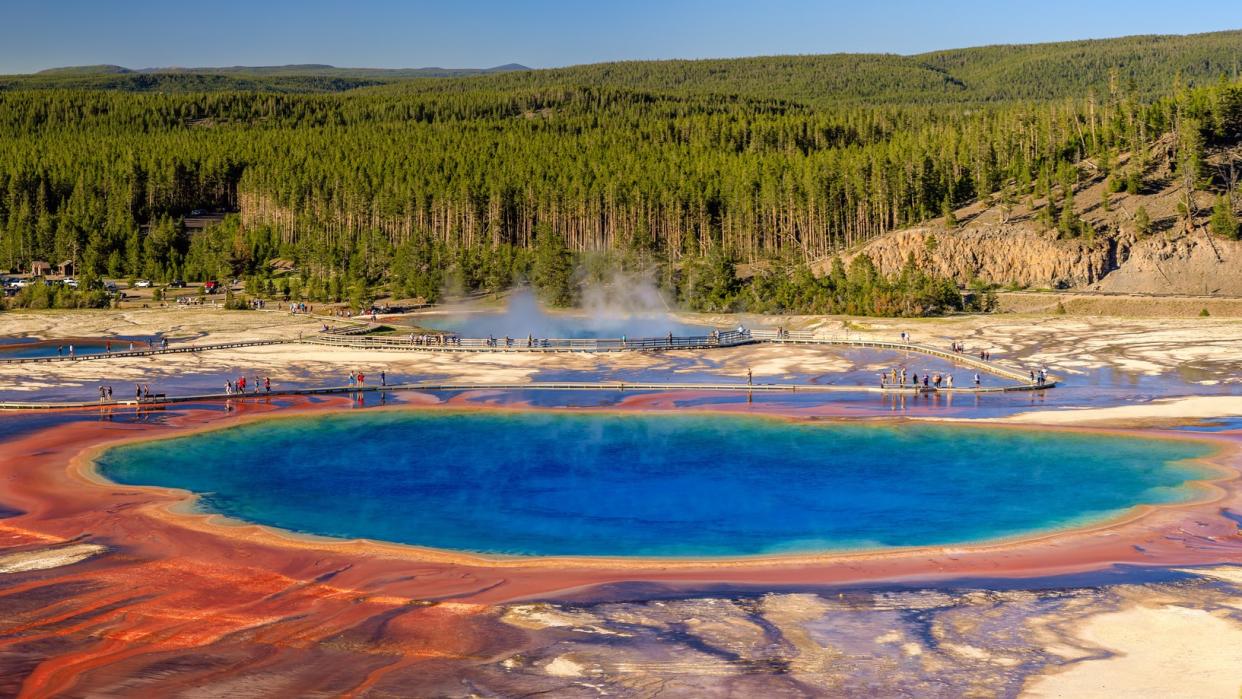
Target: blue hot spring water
654	484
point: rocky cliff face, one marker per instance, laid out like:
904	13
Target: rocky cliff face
1172	263
1197	263
1000	254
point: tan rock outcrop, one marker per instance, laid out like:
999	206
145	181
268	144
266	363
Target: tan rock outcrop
1164	263
1002	254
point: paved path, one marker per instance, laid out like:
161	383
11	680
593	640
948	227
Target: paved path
434	386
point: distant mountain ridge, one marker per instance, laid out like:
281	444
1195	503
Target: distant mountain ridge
299	69
1135	66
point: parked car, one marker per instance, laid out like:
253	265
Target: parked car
70	282
211	287
142	284
21	283
110	287
177	284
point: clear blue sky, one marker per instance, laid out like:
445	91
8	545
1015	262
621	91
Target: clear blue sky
37	34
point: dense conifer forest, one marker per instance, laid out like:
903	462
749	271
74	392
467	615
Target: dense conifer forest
681	170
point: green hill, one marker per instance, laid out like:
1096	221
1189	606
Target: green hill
1141	66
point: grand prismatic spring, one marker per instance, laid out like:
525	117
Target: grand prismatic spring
634	485
513	540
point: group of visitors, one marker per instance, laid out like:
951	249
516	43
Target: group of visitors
60	351
300	308
898	378
1039	377
257	304
142	392
434	339
238	387
357	379
985	355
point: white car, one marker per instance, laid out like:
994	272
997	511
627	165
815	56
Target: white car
143	284
70	282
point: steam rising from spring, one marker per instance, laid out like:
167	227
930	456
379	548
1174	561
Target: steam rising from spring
628	305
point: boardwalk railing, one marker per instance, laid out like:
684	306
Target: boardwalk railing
448	343
501	385
175	349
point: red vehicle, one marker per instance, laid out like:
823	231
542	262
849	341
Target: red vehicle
211	287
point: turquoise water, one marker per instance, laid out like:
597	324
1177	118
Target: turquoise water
654	485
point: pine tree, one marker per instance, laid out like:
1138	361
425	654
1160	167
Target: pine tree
1224	222
946	210
1142	222
552	268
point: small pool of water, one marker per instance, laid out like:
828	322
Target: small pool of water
655	484
34	348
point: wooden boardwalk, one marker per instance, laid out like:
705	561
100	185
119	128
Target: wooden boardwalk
718	340
452	386
178	349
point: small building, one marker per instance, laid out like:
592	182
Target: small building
65	268
39	268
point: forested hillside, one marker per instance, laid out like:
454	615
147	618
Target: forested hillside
1140	67
683	168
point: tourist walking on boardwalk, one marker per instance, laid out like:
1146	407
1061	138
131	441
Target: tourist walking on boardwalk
137	392
976	380
228	387
384	376
71	352
750	377
101	394
107	346
60	350
109	392
948	381
267	384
